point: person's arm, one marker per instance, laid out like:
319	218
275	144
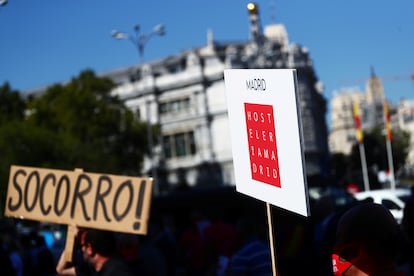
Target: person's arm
64	268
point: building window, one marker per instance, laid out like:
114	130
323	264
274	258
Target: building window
177	67
350	138
167	146
408	117
175	106
138	113
179	145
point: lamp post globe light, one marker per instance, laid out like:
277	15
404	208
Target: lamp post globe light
139	40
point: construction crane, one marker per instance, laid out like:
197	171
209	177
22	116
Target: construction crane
381	78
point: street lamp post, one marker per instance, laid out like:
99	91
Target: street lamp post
139	40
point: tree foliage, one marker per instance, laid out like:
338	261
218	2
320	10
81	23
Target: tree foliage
347	168
376	150
76	125
12	106
96	130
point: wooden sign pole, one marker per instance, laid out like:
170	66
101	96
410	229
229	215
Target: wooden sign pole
272	248
70	243
70	236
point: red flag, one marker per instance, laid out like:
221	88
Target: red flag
387	121
357	120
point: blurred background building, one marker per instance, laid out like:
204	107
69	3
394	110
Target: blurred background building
404	119
342	134
184	96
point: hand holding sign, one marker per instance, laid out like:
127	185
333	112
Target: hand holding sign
117	203
101	201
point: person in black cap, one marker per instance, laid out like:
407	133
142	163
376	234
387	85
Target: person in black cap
368	242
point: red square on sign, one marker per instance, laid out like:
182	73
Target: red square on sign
261	136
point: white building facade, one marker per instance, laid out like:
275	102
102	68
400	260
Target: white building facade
184	95
342	135
405	120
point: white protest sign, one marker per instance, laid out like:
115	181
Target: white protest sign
266	136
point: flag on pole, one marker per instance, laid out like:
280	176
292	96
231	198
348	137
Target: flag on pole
387	121
357	120
360	138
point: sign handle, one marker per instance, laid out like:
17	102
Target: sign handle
70	235
272	248
70	243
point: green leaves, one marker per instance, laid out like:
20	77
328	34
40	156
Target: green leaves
347	168
12	106
75	125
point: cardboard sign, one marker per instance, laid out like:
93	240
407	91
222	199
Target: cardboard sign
266	134
102	201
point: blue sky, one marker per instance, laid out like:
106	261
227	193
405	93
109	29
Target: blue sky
48	41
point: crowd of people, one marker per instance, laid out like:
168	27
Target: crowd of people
361	238
25	253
